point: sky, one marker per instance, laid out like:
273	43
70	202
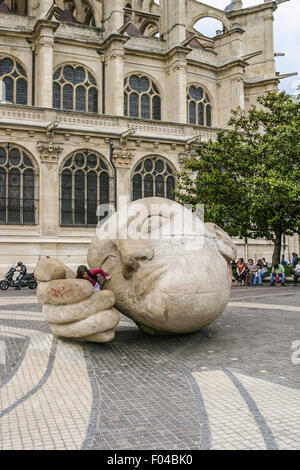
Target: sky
286	37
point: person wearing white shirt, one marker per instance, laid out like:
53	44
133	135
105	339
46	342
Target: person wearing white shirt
296	272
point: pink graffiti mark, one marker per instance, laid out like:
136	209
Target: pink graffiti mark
58	292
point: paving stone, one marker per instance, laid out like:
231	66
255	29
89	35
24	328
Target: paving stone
231	386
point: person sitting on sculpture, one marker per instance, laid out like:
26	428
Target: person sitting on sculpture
96	277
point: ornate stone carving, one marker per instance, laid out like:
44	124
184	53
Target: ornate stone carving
182	158
122	157
49	150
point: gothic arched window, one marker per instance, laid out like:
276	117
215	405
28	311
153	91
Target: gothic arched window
15	79
85	185
153	176
74	89
18	182
141	98
199	106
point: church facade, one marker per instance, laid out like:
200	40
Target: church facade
103	99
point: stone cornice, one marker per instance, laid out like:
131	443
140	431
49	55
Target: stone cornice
236	29
44	24
251	10
219	68
267	81
180	50
27	118
115	38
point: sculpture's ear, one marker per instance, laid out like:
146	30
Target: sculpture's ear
224	243
103	254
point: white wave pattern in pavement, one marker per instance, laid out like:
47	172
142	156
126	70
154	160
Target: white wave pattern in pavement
280	407
231	421
52	417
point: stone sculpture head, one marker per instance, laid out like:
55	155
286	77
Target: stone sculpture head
170	272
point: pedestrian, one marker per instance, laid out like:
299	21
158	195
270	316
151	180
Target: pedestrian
284	261
296	272
294	259
23	272
278	272
241	272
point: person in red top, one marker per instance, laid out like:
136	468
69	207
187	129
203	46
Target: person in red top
92	276
241	272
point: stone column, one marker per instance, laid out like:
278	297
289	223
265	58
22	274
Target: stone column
39	8
178	83
270	66
113	15
44	41
114	72
31	9
123	155
173	21
49	185
237	91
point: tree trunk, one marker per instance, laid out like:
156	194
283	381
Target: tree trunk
277	248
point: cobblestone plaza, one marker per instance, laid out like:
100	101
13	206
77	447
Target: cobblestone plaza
234	385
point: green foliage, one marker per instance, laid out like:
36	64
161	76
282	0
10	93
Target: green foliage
249	178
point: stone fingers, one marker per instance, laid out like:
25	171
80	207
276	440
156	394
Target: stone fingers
104	337
61	314
93	325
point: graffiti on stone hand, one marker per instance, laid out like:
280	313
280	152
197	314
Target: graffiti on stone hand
59	292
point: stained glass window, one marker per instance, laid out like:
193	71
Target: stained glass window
198	106
68	97
17	186
85	185
134	105
153	177
145	107
192	112
28	197
137	187
75	89
80	98
141	98
15	79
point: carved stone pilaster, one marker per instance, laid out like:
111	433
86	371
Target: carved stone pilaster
122	157
50	150
182	158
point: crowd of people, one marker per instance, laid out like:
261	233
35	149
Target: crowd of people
252	274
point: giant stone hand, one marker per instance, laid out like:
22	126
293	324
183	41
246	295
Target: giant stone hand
71	307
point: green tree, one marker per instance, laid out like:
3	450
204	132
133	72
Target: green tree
249	177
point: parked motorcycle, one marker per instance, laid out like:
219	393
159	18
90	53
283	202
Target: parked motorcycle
9	281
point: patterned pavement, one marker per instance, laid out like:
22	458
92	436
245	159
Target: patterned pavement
234	385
